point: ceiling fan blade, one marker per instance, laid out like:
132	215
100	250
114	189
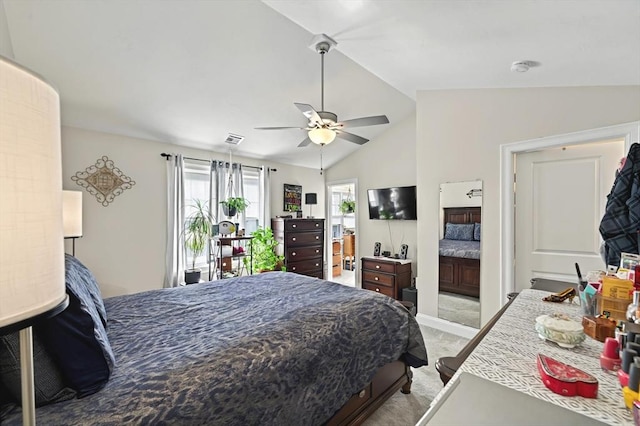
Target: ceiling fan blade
364	121
310	113
351	137
305	142
278	128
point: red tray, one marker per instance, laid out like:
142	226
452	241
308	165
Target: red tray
566	380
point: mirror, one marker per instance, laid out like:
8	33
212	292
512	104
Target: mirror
459	252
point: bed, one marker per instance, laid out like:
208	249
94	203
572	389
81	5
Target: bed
459	252
273	348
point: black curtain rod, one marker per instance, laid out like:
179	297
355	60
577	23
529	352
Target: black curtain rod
167	156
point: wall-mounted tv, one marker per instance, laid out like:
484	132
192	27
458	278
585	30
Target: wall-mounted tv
398	203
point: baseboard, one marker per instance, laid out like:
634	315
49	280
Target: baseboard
447	326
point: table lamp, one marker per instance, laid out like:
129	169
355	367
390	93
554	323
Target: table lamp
72	217
32	281
311	198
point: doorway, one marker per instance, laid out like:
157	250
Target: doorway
342	233
629	132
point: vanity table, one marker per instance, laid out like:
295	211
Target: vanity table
499	382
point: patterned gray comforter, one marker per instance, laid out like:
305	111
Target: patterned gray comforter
271	349
460	248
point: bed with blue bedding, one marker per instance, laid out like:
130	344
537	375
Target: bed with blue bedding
270	349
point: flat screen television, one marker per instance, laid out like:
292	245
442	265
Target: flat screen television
398	203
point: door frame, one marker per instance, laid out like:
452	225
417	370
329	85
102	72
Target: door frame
629	131
328	215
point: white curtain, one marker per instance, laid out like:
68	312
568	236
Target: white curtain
265	196
175	254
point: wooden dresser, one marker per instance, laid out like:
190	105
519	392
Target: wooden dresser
301	242
386	275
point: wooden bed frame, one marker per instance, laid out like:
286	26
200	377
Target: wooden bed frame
459	275
387	380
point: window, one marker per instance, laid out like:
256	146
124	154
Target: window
197	187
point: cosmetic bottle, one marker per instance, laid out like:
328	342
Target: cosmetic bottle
630	392
625	365
610	359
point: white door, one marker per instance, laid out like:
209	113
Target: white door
560	199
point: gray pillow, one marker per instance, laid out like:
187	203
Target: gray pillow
476	231
48	382
459	231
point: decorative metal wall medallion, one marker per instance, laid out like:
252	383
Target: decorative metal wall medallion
103	180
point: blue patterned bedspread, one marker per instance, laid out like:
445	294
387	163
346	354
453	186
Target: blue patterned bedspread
460	248
270	349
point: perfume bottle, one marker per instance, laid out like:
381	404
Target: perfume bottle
633	310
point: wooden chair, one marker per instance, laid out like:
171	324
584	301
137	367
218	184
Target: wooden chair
349	251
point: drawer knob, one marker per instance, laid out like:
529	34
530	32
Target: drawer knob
362	393
376	278
317	237
293	226
293	239
293	254
317	224
293	268
317	251
377	289
317	264
377	266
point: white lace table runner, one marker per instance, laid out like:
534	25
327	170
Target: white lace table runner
507	356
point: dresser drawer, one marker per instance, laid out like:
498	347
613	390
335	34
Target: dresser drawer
303	238
302	253
387	291
375	265
378	279
302	225
305	265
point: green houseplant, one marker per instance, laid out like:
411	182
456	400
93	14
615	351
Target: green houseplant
347	206
234	205
263	254
197	230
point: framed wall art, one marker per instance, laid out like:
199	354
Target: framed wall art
292	198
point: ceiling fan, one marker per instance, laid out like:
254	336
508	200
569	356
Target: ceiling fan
323	126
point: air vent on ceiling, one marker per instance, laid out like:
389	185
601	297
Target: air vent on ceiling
234	139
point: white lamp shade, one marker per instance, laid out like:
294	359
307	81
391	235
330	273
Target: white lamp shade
322	136
31	242
72	213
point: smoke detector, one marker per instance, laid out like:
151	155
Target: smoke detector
521	66
234	139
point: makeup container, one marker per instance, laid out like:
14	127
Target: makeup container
625	365
610	358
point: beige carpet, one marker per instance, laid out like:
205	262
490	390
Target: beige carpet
460	309
405	410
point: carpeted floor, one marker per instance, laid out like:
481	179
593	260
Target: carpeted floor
460	309
405	410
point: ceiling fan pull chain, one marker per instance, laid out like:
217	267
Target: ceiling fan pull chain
321	160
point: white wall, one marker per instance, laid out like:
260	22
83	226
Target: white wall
459	133
124	243
384	162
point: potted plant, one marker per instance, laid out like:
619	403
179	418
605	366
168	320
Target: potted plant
347	206
234	205
263	254
197	230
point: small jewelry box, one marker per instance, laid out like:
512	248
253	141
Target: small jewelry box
599	328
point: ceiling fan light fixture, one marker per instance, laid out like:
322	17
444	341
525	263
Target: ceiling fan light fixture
322	136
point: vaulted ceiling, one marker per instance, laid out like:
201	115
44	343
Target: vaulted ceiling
190	72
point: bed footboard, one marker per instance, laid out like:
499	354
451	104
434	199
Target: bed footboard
387	381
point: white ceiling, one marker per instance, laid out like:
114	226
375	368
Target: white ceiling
189	72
